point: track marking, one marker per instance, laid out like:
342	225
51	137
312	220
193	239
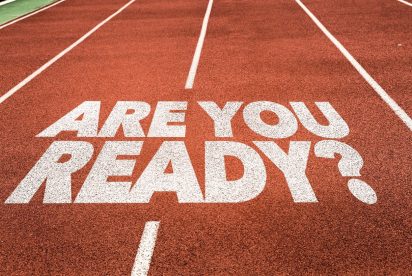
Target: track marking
196	57
406	3
144	253
378	89
6	2
61	54
29	14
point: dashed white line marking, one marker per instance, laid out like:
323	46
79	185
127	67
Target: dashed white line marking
6	2
406	3
378	89
61	54
30	14
144	253
196	57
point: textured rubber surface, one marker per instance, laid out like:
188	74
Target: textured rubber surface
263	51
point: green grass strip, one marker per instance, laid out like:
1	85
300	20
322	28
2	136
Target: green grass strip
19	8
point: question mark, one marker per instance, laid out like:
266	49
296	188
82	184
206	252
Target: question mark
349	165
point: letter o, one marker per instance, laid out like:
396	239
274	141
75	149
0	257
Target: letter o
286	127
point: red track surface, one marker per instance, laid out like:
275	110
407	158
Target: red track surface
266	51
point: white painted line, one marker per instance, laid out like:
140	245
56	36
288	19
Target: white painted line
406	3
144	253
61	54
29	14
378	89
196	57
6	2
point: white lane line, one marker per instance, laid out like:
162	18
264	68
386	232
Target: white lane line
29	14
6	2
61	54
144	253
378	89
406	3
196	57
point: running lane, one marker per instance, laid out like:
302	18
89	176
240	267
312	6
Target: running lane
141	54
28	44
378	34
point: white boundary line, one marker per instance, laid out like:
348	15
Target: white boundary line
28	15
146	247
6	2
378	89
195	62
406	3
61	54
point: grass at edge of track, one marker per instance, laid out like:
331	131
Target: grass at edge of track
19	8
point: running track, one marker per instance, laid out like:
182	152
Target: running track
266	51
